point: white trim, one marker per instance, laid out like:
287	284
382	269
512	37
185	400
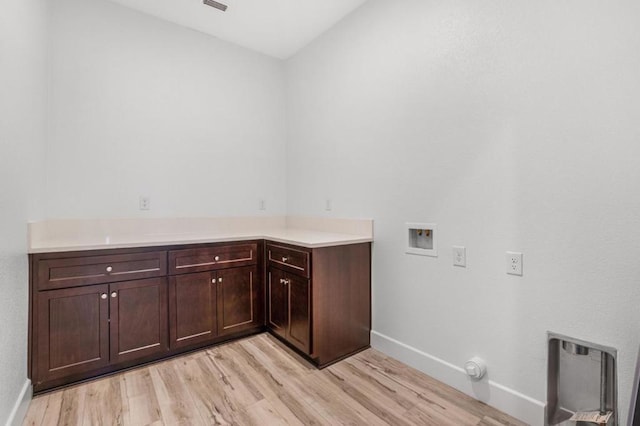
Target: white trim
514	403
21	406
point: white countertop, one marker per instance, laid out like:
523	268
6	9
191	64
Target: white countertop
80	235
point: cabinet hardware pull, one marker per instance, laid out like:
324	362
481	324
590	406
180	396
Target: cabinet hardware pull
285	259
109	268
103	296
216	258
213	281
219	280
282	281
114	294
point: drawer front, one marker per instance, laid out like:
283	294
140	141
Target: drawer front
212	258
289	259
87	270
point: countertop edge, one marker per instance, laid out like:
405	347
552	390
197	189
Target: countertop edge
63	248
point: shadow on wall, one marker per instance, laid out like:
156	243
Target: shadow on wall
634	410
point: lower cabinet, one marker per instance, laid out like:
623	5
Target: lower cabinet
96	312
239	300
289	301
86	328
206	305
138	313
299	312
73	332
192	311
319	299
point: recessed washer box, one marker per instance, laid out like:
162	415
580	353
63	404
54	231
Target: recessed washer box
422	239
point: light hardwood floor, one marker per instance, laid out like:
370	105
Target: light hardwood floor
259	381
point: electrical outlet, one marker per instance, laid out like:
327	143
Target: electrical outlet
459	256
514	263
145	202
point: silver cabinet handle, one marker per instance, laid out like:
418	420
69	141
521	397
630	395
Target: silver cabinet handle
219	280
217	258
109	268
103	296
285	259
213	281
283	281
114	294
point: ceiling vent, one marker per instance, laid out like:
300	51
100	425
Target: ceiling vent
217	5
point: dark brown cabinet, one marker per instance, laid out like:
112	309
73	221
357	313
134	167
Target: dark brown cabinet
209	304
91	269
212	258
82	329
192	309
73	332
289	300
215	291
239	301
277	302
299	312
319	300
138	319
96	312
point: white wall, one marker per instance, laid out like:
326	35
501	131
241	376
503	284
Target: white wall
144	107
513	126
22	135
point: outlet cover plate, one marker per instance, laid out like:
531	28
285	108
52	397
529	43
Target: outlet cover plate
459	256
514	263
145	202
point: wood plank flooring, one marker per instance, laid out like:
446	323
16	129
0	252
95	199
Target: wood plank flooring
259	381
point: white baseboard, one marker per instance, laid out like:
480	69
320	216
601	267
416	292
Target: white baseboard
491	393
21	406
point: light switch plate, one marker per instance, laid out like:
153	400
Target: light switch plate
514	263
459	256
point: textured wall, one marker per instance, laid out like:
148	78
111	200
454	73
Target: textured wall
144	107
514	127
22	135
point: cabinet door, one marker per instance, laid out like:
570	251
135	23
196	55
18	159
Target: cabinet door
192	309
277	301
73	331
299	312
237	299
138	311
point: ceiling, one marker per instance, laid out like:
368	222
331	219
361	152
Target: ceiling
278	28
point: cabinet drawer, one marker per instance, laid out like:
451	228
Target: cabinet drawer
212	258
87	270
289	259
